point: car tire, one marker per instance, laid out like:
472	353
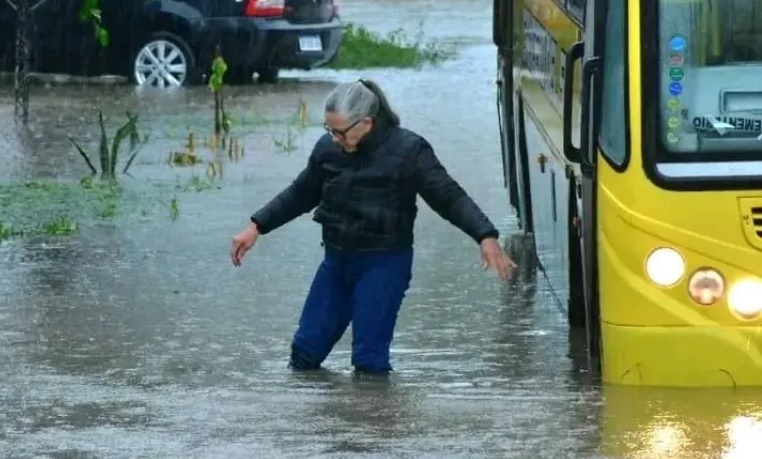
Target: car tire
164	60
267	75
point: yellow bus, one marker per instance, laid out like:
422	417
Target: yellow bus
632	151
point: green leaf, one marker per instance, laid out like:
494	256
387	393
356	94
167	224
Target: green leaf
84	156
134	134
121	135
215	82
135	152
104	153
219	67
85	11
102	36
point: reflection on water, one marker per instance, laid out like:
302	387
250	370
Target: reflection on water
745	436
364	414
682	423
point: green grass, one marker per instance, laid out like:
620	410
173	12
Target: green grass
54	208
362	48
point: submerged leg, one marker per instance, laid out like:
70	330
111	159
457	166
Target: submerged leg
381	283
325	315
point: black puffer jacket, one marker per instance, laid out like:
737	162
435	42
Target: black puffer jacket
366	200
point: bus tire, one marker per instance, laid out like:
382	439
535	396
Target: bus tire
576	313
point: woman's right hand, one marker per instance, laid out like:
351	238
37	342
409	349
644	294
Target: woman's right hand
242	242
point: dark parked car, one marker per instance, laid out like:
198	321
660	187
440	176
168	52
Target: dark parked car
172	42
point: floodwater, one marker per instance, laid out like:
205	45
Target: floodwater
137	339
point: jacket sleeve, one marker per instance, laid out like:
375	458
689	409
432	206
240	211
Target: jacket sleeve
298	198
447	198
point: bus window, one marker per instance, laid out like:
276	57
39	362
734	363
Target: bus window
577	7
710	59
613	132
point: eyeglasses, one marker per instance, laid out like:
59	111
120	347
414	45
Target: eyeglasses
340	132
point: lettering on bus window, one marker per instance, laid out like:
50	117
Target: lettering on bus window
718	123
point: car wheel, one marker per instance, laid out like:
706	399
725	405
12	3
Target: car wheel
164	61
267	75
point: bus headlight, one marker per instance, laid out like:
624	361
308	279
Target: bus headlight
665	267
706	286
745	298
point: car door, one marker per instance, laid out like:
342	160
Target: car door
57	37
7	35
66	44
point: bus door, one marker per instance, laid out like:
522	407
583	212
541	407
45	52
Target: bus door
514	159
602	151
501	36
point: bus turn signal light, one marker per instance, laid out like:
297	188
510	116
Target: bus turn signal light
745	299
706	286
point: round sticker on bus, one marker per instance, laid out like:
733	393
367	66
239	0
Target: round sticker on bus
673	122
677	43
676	73
674	104
676	60
672	137
675	89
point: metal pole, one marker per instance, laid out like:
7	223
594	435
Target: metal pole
21	74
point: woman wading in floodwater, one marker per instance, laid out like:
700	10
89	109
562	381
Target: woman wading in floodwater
363	176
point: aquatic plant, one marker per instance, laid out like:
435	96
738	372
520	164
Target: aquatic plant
108	154
90	11
235	150
105	194
60	226
219	68
28	207
174	208
301	118
220	139
189	156
286	143
362	48
289	142
197	184
8	231
58	208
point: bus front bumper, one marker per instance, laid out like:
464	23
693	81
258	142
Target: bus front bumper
682	356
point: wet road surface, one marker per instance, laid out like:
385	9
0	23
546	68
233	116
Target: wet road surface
137	339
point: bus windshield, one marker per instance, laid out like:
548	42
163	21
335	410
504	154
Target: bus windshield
710	73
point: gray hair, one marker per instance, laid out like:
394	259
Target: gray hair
359	99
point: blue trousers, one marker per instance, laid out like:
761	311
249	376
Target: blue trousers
364	288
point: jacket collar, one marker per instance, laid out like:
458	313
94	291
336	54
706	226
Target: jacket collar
377	135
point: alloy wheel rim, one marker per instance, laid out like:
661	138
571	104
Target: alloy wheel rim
161	64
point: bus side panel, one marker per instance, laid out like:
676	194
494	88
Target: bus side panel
546	31
549	188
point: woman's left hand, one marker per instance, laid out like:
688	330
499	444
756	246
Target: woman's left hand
494	256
